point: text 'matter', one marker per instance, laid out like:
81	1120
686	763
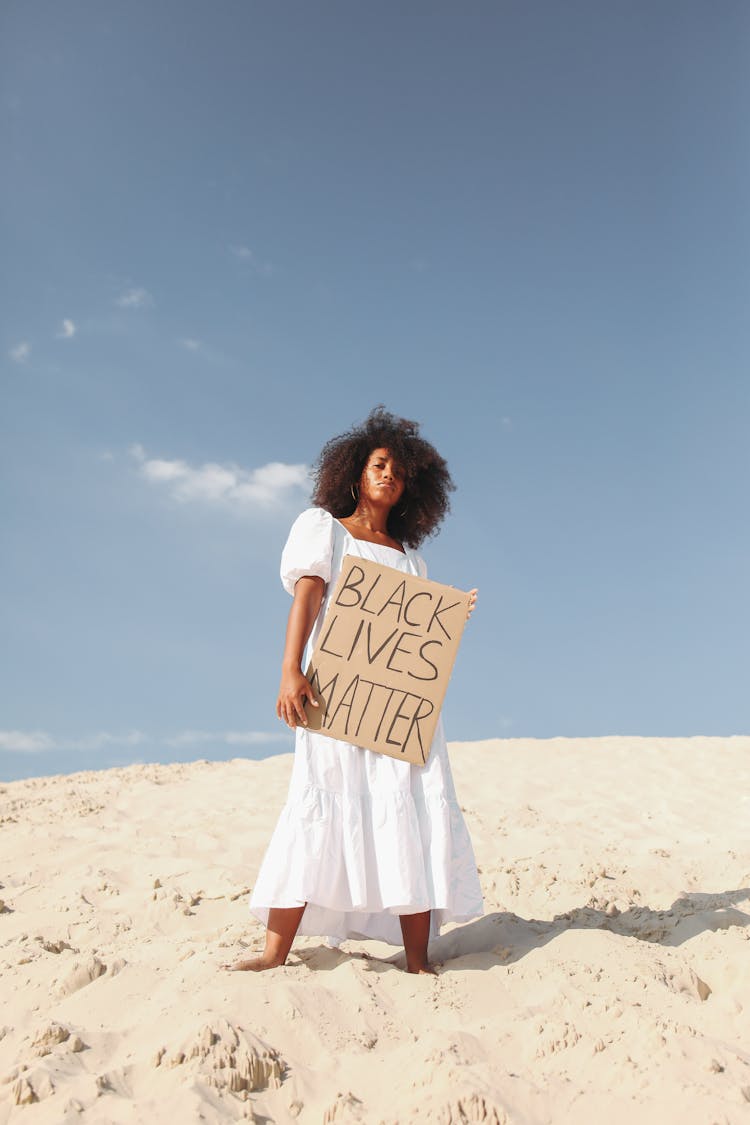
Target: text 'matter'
383	659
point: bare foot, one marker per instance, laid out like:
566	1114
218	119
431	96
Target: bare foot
424	970
253	965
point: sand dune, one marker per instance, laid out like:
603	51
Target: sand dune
609	978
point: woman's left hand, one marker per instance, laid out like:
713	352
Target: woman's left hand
472	602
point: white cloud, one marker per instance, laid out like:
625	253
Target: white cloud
190	343
67	330
37	741
21	352
25	741
224	484
226	737
245	254
135	299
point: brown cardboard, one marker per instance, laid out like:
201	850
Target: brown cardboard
383	658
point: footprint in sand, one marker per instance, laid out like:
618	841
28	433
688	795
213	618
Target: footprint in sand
226	1057
81	975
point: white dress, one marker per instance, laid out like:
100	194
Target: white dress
363	837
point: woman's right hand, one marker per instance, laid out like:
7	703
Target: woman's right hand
294	692
295	689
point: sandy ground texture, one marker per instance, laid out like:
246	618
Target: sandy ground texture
609	979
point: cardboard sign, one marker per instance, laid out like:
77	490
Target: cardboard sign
383	659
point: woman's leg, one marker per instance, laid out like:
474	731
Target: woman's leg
416	931
282	927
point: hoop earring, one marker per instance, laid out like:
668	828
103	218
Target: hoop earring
355	495
404	510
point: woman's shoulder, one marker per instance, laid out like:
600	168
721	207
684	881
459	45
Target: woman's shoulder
314	516
313	521
309	547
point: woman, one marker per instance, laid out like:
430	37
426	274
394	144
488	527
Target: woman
367	846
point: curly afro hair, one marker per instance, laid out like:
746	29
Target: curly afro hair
427	481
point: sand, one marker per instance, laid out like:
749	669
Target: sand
609	979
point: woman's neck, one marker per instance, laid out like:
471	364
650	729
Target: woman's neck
372	518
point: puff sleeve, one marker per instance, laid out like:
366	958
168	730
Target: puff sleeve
309	548
420	564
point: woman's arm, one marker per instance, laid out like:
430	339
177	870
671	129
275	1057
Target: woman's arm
294	689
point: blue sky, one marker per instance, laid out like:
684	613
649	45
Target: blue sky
231	229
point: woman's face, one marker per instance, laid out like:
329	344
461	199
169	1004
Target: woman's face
382	480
